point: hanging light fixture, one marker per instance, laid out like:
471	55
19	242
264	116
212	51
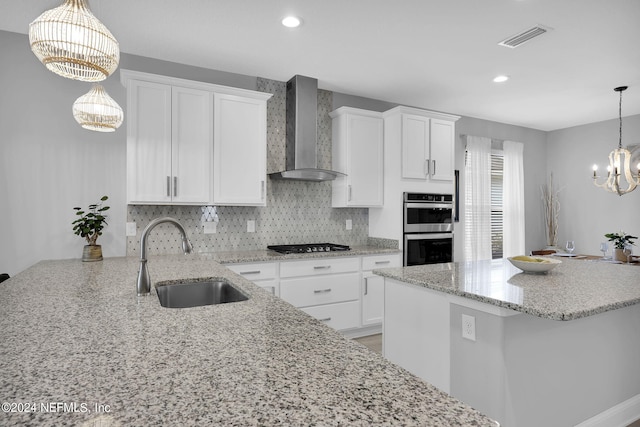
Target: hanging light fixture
96	110
70	41
620	178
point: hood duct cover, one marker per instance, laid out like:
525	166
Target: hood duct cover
302	127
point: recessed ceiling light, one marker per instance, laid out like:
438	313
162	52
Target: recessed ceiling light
291	21
501	79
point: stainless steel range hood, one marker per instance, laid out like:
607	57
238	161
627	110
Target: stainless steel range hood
302	127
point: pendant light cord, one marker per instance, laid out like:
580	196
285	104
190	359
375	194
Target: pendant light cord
620	115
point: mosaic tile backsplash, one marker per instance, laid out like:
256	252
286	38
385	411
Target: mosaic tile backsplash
296	211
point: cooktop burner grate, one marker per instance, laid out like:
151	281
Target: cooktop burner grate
308	248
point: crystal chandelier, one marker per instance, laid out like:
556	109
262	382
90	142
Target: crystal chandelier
96	110
620	178
70	41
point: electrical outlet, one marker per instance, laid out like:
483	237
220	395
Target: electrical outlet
349	224
468	327
210	227
251	226
131	229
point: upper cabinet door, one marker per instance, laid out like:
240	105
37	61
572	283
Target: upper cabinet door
442	141
148	142
192	146
240	150
357	151
170	142
415	146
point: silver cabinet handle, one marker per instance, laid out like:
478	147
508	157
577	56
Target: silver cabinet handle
426	167
349	193
175	186
250	272
366	285
326	319
273	289
322	291
434	168
168	186
383	262
321	267
262	190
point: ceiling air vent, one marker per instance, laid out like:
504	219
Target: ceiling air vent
524	36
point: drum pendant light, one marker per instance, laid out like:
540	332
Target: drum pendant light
96	110
70	41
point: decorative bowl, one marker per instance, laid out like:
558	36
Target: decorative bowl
534	264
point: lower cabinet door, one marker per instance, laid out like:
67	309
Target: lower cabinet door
339	316
372	299
269	285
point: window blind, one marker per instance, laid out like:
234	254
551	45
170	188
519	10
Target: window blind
497	168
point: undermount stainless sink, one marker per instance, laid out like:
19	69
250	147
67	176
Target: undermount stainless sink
195	293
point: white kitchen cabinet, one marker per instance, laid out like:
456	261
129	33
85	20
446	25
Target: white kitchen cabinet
169	144
263	274
194	143
427	142
373	286
240	150
442	138
326	288
357	152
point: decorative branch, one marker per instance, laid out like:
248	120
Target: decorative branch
551	202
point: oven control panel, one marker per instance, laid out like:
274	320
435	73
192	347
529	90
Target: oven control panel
428	197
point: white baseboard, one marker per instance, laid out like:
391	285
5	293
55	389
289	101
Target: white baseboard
620	415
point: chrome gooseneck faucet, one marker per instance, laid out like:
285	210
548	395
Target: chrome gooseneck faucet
144	281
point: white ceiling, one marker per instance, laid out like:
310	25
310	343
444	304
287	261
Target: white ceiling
435	54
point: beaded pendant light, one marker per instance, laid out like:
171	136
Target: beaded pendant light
70	41
96	110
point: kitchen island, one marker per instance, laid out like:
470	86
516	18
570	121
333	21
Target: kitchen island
78	347
555	349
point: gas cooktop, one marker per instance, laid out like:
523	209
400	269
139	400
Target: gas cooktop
308	248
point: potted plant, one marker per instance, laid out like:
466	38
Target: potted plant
620	240
89	225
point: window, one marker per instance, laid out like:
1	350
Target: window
497	169
494	199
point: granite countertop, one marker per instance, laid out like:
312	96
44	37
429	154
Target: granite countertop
76	339
574	289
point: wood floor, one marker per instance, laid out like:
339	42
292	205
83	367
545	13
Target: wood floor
374	343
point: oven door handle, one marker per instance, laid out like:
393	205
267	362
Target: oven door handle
429	205
428	236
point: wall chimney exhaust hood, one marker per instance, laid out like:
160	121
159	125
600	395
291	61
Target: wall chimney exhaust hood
302	127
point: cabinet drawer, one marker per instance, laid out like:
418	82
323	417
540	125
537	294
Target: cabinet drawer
309	291
314	267
344	315
380	261
255	271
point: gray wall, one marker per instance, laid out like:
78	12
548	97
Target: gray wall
588	212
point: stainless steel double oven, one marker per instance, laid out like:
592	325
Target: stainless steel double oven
428	228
